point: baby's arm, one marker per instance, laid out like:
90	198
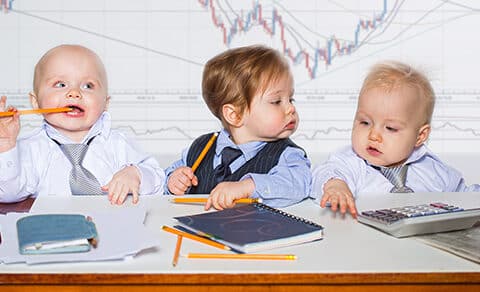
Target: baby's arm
9	127
181	179
337	193
139	173
285	184
335	179
225	193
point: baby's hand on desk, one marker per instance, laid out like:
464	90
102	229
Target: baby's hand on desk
336	192
123	182
9	127
181	179
225	193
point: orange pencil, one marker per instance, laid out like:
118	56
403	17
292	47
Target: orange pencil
196	237
244	256
177	250
37	111
204	152
204	200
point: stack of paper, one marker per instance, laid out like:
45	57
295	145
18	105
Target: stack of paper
121	233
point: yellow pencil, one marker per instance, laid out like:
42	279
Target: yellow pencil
204	152
37	111
204	200
287	257
177	250
196	237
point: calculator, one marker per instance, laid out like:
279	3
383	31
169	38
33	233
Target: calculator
420	219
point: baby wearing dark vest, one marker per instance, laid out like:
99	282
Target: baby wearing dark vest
250	90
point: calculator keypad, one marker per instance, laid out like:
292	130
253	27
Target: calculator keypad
392	215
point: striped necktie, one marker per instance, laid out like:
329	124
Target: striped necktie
223	170
397	176
82	181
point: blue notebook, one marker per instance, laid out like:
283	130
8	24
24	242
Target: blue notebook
253	227
55	233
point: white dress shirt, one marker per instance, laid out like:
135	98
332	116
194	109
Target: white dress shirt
426	173
37	166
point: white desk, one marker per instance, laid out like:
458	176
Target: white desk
350	253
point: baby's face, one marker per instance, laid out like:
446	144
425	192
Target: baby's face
272	115
72	77
387	125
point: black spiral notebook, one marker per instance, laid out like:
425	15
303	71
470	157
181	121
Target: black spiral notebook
253	227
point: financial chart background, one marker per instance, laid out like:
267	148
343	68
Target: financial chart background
154	52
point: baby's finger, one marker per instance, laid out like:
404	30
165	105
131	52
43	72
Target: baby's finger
208	204
187	171
113	193
3	102
229	202
180	187
343	204
195	180
122	195
351	207
135	197
334	203
215	198
325	199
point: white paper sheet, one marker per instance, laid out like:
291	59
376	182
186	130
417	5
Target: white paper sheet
121	234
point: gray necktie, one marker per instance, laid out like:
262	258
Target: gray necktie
397	176
82	181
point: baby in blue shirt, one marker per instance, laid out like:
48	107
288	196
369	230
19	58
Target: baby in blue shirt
250	90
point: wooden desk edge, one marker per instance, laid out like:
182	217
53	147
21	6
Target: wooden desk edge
468	278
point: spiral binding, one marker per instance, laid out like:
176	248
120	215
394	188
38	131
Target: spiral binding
283	213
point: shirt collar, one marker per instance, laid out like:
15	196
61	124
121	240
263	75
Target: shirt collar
101	127
417	154
249	150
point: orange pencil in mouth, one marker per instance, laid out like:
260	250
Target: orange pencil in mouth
37	111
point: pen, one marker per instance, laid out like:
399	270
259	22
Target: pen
204	151
244	256
37	111
177	250
204	200
196	237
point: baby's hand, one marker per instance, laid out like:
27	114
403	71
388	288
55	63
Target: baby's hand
225	193
9	127
336	192
123	182
181	179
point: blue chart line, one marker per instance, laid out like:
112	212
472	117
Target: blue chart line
333	47
6	5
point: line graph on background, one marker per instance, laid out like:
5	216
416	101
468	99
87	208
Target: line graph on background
333	47
342	45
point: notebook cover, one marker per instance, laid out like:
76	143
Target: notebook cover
253	227
38	230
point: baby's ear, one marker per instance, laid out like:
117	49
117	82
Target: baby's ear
423	134
231	115
33	100
107	102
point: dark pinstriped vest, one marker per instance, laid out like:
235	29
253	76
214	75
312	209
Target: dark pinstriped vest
265	160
